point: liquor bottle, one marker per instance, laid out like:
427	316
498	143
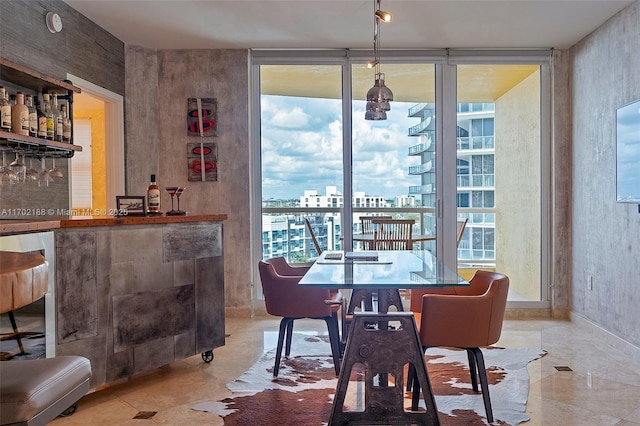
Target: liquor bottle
57	118
5	111
20	116
66	125
46	107
33	116
153	196
42	120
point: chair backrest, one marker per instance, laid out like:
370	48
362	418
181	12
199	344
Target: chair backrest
282	267
478	285
283	296
471	318
366	223
460	225
392	234
313	236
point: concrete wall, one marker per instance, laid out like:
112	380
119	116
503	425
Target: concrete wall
82	48
158	85
604	75
517	165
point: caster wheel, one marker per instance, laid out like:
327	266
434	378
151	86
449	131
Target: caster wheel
69	411
207	356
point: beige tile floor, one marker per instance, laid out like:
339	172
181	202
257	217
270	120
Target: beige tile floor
603	387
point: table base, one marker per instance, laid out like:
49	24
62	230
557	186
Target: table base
383	350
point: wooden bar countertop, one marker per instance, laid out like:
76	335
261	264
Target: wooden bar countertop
8	227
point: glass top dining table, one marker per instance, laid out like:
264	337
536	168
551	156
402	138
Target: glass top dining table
379	270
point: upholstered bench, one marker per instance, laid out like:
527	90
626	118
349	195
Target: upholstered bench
34	392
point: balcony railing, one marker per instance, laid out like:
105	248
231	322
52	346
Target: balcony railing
422	168
476	142
422	189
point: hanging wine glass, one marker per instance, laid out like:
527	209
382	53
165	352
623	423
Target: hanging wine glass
45	178
18	167
7	176
32	174
55	172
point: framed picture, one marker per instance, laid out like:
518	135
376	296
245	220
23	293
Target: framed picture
129	205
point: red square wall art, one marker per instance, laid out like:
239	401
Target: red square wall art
202	117
203	161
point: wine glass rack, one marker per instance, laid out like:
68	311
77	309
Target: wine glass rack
36	82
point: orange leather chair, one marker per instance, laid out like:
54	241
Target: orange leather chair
285	298
467	317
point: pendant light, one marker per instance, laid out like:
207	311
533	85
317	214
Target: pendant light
379	96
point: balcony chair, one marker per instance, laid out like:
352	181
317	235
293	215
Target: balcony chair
285	298
313	236
389	234
460	225
392	234
366	223
468	318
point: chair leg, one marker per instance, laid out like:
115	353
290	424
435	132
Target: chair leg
284	324
484	383
287	350
473	371
16	333
334	339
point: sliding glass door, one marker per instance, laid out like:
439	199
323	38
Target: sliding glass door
394	161
301	159
499	185
463	139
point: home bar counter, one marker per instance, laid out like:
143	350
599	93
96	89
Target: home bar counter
130	293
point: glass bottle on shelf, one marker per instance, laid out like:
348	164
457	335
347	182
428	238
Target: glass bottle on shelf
20	116
57	118
5	111
153	196
46	106
33	116
42	120
66	125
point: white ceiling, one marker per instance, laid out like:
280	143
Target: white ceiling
417	24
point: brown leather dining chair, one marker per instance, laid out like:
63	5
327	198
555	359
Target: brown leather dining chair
285	298
466	317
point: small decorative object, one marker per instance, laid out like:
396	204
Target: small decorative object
130	205
202	116
177	192
202	161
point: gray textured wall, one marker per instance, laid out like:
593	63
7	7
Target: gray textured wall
158	85
605	74
81	48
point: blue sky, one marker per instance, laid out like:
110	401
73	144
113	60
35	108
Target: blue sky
302	148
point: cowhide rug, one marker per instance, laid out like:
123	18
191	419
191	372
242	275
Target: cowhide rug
302	393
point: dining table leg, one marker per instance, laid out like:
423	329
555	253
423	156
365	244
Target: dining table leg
383	352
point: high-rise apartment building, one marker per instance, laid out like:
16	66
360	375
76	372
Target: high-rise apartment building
475	173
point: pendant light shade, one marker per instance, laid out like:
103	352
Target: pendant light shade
379	96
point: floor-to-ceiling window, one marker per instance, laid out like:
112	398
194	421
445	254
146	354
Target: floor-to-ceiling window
315	151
